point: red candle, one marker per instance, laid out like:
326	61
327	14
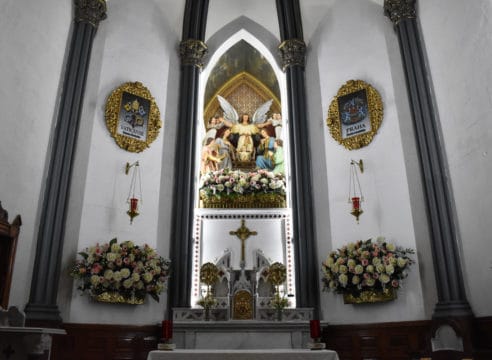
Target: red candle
133	204
167	329
315	328
356	202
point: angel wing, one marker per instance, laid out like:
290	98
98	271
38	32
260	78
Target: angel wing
229	112
260	114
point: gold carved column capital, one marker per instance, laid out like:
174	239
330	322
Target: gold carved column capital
292	52
398	10
192	52
90	11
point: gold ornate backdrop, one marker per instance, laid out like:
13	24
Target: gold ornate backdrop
246	93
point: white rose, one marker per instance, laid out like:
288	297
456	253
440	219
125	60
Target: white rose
384	278
343	279
390	269
125	272
108	274
359	269
401	262
147	277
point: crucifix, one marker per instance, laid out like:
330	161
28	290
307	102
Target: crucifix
243	233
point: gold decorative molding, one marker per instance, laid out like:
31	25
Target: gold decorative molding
90	11
117	298
139	104
292	52
212	108
370	297
398	10
249	201
192	52
361	132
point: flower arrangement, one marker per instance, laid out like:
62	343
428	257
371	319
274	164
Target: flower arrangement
125	269
236	182
371	265
277	274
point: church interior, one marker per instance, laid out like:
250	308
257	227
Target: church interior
245	178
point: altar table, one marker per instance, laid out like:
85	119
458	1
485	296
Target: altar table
266	354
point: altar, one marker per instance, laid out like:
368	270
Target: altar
267	354
242	334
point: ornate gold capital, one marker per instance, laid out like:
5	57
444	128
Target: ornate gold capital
398	10
90	11
192	52
292	52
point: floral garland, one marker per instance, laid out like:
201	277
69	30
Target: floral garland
366	265
235	182
126	268
209	274
277	274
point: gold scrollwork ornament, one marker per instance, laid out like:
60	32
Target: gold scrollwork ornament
363	130
132	117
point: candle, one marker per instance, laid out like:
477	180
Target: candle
315	328
133	204
167	329
356	202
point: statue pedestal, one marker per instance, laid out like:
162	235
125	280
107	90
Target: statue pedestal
241	334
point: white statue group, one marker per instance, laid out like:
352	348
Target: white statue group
232	141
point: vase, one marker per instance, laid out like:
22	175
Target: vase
370	296
117	298
279	314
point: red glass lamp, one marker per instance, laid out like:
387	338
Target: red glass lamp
355	191
134	198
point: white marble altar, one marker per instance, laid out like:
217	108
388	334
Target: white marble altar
267	354
241	334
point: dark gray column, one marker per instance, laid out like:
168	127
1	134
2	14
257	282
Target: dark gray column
292	53
452	300
192	49
42	306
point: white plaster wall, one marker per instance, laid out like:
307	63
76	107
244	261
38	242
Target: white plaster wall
351	43
222	12
33	40
457	37
126	49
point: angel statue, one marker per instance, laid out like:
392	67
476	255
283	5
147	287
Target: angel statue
244	128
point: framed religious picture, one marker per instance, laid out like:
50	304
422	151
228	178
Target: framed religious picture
132	117
355	114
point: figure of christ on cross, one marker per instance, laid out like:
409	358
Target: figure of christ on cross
243	233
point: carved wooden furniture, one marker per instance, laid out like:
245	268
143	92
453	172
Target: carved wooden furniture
8	244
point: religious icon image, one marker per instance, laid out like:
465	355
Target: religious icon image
354	113
133	116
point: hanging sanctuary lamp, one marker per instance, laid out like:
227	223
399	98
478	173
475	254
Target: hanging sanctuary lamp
355	191
134	197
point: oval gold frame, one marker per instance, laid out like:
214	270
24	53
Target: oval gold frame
375	112
113	106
